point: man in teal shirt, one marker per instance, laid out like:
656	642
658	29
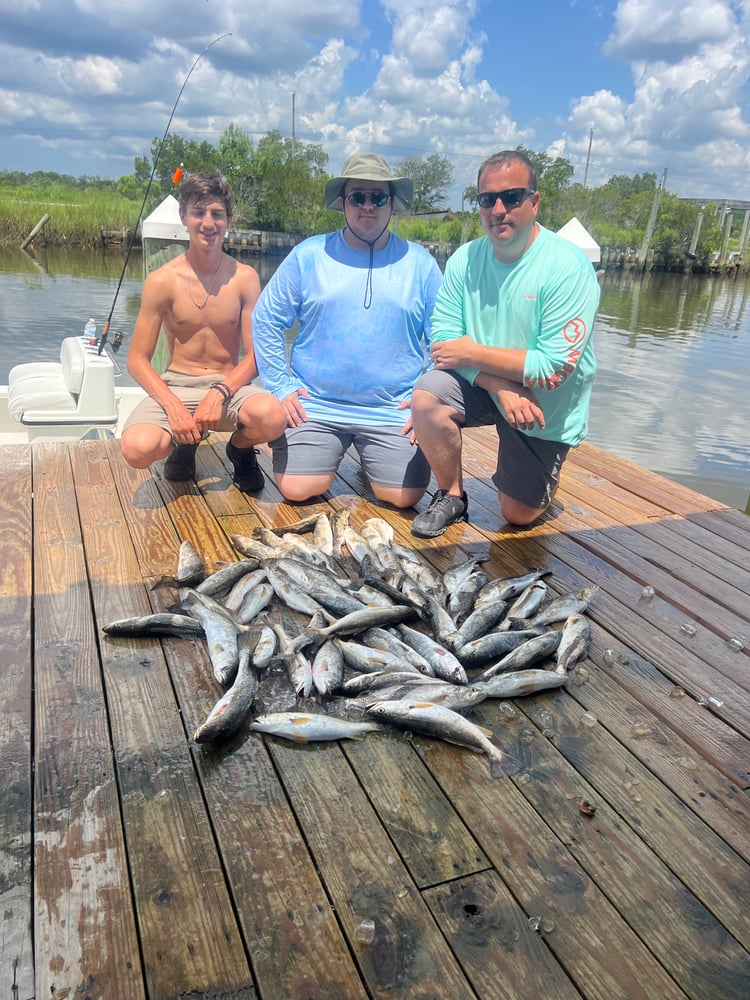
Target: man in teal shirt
512	346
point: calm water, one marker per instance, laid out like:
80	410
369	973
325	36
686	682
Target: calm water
674	356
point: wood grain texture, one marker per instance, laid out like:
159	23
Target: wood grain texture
394	866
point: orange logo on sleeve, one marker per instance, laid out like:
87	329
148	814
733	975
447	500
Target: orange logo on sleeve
574	330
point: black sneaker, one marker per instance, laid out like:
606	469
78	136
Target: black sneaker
247	475
444	510
180	463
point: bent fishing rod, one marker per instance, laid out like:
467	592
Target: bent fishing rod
105	331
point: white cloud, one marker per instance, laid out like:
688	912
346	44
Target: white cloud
668	30
403	77
690	66
428	35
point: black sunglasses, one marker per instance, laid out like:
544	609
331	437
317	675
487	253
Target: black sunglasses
359	198
511	198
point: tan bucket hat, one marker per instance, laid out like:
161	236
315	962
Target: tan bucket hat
369	167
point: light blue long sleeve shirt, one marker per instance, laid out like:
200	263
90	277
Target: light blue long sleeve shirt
545	304
357	364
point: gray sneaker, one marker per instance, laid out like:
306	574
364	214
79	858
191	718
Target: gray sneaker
444	510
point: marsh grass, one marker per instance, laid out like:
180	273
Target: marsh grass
77	216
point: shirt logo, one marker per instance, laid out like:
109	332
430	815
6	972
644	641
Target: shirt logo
574	330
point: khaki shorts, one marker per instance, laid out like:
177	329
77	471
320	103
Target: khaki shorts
190	390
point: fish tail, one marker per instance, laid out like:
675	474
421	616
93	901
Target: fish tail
502	765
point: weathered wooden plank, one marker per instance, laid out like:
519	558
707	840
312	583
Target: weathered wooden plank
295	945
80	867
657	542
16	945
676	608
434	844
695	591
504	956
140	496
590	939
189	935
667	840
366	880
731	550
729	524
651	726
667	493
283	908
193	522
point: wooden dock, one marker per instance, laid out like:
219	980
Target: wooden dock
136	864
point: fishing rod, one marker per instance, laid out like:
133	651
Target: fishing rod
105	331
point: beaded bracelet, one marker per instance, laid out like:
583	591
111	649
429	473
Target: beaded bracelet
223	388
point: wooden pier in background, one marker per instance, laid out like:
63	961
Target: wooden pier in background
137	864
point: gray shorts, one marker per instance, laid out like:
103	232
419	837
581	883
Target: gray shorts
316	447
190	390
528	468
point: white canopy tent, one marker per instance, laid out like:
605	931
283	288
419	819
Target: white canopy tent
164	222
577	233
163	234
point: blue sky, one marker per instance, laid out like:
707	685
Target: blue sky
85	85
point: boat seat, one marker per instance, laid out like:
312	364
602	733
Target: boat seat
79	390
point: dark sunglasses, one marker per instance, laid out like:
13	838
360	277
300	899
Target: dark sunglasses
359	198
511	198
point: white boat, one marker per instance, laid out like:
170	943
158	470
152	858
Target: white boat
79	396
74	398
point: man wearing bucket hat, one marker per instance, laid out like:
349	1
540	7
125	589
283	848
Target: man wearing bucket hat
363	298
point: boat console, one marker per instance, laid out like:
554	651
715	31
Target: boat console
68	398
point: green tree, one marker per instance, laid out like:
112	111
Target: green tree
174	152
554	175
628	186
431	177
287	184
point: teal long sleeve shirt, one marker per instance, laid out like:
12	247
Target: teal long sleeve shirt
545	304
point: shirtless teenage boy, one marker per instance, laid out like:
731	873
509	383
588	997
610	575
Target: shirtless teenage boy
203	300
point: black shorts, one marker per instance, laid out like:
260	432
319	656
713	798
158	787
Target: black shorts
528	467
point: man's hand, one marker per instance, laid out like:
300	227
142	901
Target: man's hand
449	354
521	408
293	408
182	424
209	411
407	428
519	404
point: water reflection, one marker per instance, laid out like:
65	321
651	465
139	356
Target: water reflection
674	361
673	350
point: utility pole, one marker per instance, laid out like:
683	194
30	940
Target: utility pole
294	141
652	220
588	160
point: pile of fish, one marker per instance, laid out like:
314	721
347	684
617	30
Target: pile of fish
361	623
